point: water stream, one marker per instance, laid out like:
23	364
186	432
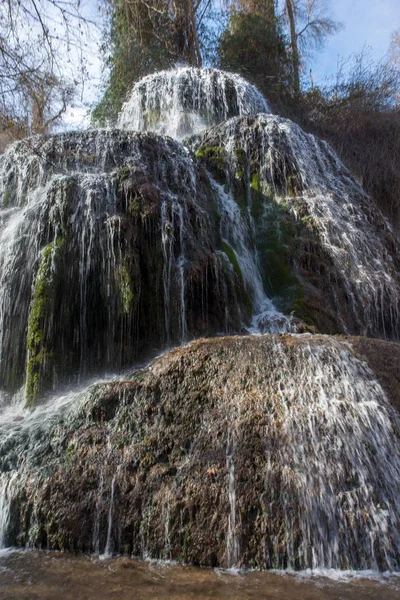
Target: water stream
187	100
232	541
46	576
108	548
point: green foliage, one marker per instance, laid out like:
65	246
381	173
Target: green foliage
143	39
130	58
254	46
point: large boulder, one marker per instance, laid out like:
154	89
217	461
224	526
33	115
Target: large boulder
260	451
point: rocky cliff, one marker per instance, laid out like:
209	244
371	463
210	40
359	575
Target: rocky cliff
277	450
259	451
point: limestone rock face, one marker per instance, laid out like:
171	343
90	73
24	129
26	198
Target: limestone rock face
273	451
114	244
325	250
109	248
260	451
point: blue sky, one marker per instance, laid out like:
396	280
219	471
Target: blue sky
366	22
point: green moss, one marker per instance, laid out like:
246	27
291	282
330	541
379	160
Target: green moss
126	288
233	260
240	163
43	297
243	297
7	198
151	117
214	153
276	240
255	182
70	452
60	243
241	157
276	236
291	186
215	158
122	174
187	541
277	251
135	206
310	224
300	310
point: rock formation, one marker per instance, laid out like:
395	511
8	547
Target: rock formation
273	451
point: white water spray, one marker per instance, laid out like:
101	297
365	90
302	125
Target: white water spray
232	542
185	101
108	549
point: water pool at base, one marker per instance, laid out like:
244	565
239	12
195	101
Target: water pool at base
32	575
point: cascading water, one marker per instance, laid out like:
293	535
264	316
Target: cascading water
4	509
238	239
96	529
232	543
290	183
115	243
337	459
108	549
308	477
188	100
106	242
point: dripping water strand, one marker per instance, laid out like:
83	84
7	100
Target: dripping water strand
108	550
232	543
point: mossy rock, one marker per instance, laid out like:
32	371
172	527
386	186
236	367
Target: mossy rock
38	346
215	158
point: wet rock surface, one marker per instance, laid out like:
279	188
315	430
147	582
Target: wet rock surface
109	248
115	243
325	250
260	451
268	451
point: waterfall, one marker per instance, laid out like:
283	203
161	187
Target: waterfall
118	243
232	542
308	473
167	524
332	451
4	509
238	238
186	101
96	530
287	179
108	550
88	223
172	211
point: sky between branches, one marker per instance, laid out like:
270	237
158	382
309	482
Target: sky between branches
367	23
